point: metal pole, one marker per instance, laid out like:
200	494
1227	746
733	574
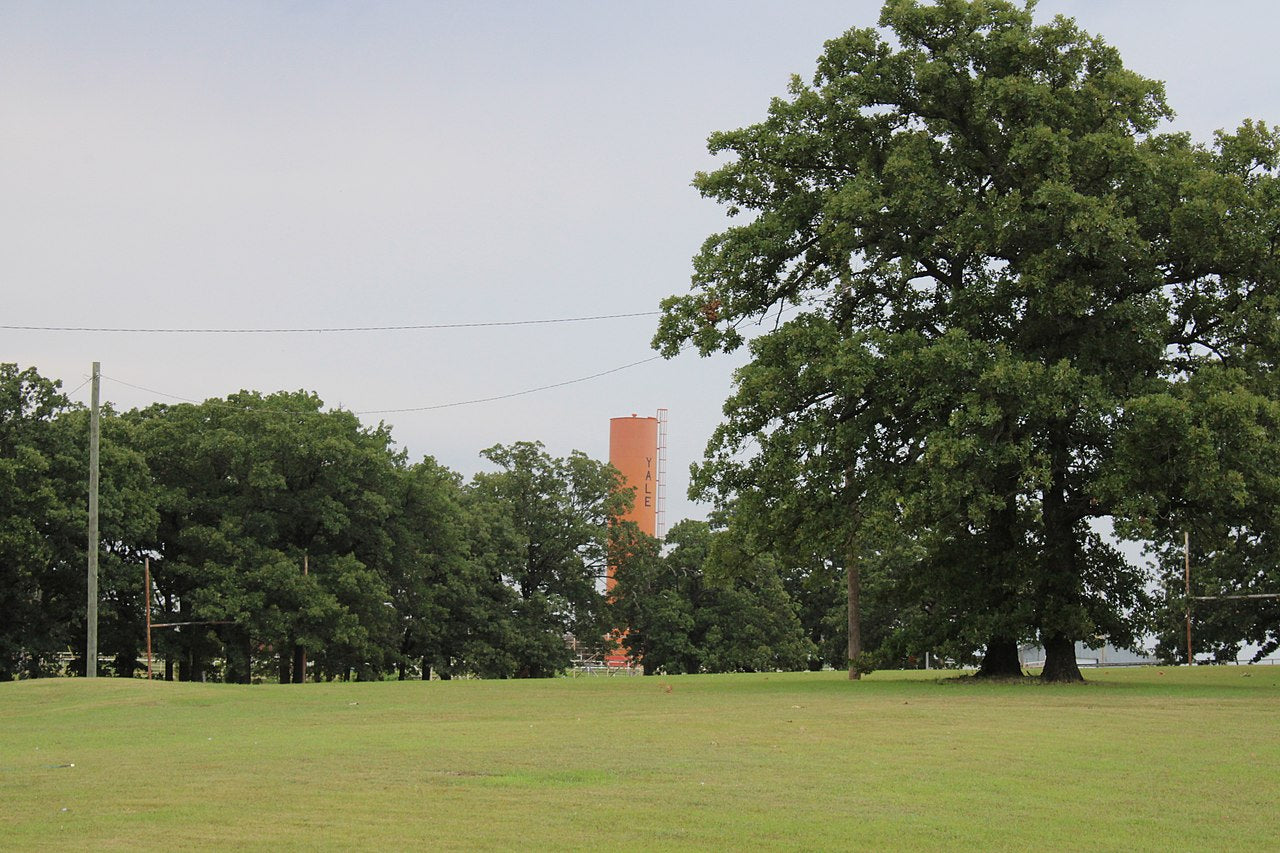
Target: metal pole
146	574
1186	552
91	616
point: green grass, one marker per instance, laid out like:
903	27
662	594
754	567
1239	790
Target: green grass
1136	759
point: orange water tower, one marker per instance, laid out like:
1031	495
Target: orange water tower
637	448
633	450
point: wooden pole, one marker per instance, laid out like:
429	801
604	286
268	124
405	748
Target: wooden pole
1186	554
301	677
146	575
91	610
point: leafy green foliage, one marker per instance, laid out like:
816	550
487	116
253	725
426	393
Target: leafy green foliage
448	590
556	516
285	536
701	608
989	276
255	491
37	591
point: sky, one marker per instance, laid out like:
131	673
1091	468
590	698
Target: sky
335	165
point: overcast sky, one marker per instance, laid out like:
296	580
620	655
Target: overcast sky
249	165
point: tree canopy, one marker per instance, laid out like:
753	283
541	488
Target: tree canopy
287	539
557	514
706	606
988	275
37	589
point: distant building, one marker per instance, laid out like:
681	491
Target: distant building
1105	655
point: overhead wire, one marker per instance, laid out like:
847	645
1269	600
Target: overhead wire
78	387
324	329
414	327
407	409
404	409
512	394
150	390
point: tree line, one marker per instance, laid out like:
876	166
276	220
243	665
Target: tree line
300	540
295	537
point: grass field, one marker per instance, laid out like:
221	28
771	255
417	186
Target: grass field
1136	759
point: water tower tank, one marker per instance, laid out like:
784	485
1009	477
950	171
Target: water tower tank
633	450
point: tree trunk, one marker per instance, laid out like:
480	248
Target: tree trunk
1001	659
239	651
285	667
126	663
1060	588
299	665
247	650
240	657
854	579
1060	660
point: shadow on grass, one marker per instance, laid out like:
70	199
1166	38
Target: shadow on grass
1009	681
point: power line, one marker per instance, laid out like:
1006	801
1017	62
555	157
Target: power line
321	329
512	394
405	409
73	391
153	391
434	407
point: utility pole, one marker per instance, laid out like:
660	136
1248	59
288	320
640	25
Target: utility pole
91	650
299	652
1186	555
146	599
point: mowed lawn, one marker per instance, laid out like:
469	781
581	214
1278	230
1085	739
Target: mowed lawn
1136	759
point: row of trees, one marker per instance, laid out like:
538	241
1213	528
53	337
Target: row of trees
296	537
1013	324
307	534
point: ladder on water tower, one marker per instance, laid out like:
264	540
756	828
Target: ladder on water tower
661	513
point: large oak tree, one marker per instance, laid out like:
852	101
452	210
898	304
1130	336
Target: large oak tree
982	268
